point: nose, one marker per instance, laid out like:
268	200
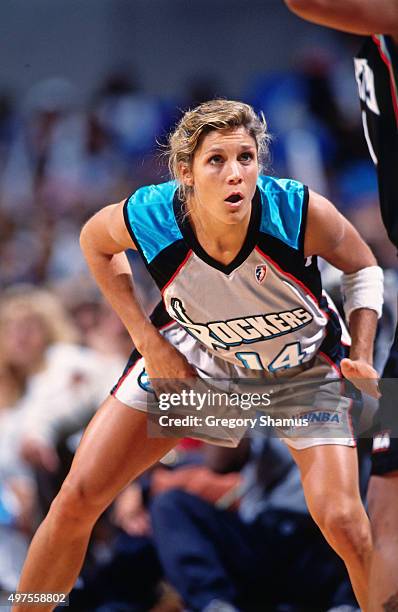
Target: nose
234	176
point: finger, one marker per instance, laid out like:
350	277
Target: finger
370	387
359	369
347	367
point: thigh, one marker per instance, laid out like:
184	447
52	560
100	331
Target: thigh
114	450
321	404
329	474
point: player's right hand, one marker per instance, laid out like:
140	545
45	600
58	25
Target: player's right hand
167	368
362	375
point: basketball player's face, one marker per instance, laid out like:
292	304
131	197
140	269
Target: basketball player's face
224	175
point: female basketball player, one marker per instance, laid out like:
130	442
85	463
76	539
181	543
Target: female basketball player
234	255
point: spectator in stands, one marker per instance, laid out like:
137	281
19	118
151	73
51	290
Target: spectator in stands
59	383
268	555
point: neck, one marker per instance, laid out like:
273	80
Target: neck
220	240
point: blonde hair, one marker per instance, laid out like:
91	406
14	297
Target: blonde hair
26	299
213	115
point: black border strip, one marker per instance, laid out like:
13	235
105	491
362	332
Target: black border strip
131	232
304	215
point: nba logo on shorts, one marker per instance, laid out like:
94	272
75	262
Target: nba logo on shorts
261	273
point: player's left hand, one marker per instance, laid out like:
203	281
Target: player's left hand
362	375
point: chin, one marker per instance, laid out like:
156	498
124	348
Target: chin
233	219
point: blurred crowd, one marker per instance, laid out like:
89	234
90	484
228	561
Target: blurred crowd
207	529
212	529
61	160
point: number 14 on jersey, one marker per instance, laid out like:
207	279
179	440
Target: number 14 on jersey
289	357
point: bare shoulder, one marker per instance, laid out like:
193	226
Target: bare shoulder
118	227
108	227
355	16
330	235
325	225
320	209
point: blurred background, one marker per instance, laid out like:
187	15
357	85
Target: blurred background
88	93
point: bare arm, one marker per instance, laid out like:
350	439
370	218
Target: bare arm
331	236
355	16
103	240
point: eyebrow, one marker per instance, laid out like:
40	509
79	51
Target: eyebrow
217	148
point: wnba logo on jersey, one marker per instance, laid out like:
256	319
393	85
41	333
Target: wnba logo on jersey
261	273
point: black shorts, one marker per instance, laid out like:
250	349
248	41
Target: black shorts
384	454
385	440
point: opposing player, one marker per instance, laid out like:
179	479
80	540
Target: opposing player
234	254
376	72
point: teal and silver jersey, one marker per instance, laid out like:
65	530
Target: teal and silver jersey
264	310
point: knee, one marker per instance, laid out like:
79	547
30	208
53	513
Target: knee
345	526
76	504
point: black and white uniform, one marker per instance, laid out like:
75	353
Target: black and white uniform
262	318
376	71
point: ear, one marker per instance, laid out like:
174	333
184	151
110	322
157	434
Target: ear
186	176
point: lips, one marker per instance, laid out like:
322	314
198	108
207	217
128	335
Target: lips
234	198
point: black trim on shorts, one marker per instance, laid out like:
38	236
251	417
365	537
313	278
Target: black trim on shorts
134	357
159	318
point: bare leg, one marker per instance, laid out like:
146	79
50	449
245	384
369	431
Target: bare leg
114	450
383	511
329	474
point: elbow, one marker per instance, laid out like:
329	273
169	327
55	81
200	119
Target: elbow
83	237
372	261
368	258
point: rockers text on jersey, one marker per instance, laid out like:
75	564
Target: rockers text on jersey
264	310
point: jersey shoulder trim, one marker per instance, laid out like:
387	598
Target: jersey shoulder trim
284	209
150	220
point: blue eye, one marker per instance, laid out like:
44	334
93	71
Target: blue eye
215	159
